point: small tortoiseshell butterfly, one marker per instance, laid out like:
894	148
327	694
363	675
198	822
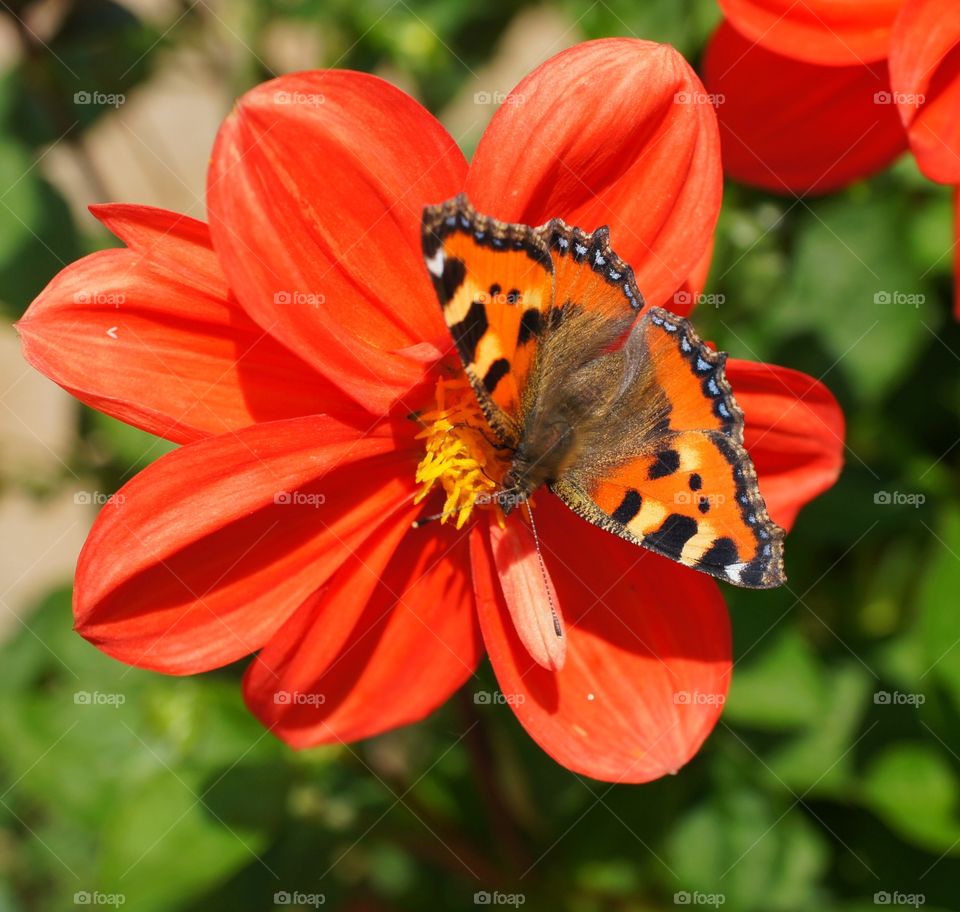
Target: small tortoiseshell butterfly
617	407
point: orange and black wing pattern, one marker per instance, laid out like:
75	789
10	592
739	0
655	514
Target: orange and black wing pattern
588	273
503	286
495	285
691	494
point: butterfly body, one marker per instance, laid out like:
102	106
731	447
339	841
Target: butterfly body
617	407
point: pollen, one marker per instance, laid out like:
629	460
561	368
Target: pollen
460	455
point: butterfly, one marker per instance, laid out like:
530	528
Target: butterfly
617	407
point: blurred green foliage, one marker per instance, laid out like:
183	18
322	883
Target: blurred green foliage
835	773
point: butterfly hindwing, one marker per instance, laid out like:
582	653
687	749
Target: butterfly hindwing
690	493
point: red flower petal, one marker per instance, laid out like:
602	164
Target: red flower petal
794	433
817	31
925	71
201	557
600	135
791	126
390	638
149	335
316	189
648	657
529	593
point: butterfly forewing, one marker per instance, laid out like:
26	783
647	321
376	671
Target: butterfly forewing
495	284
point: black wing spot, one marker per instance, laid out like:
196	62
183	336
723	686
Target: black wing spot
753	575
469	331
696	482
671	537
629	507
495	373
668	461
447	283
722	553
703	505
514	296
530	326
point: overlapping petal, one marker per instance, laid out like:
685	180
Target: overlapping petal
391	637
794	432
151	335
648	657
792	126
529	592
316	189
830	32
613	132
925	75
203	555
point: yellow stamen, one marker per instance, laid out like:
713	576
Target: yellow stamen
460	456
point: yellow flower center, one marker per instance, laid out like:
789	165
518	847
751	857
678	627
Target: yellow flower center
460	455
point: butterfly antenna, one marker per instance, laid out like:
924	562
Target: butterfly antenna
557	629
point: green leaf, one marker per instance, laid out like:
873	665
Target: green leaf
782	689
820	761
757	855
162	845
939	620
854	283
136	449
913	789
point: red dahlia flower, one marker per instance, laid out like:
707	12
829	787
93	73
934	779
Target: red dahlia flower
286	347
818	93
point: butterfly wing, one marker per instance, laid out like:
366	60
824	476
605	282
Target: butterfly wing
589	275
676	479
504	288
494	282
